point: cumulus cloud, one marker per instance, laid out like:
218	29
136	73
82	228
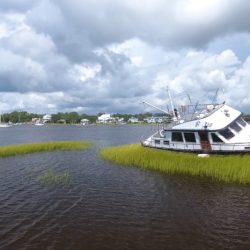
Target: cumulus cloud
17	5
107	56
166	23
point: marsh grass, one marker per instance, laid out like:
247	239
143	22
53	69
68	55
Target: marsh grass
49	177
234	168
20	149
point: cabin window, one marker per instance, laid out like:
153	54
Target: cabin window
227	133
189	137
235	127
242	122
157	141
168	135
216	138
166	142
177	136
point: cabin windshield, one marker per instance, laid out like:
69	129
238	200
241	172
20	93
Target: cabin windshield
242	122
227	133
216	138
236	127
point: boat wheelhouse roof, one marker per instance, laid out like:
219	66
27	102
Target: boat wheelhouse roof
211	117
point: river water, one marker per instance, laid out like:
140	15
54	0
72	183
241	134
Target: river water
106	206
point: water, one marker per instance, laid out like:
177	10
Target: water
106	206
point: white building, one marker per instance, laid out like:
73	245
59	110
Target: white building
150	120
121	121
46	118
133	120
84	122
154	119
105	118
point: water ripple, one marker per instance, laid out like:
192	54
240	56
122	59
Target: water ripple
105	206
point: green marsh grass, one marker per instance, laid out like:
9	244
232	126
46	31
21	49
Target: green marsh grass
49	177
234	168
20	149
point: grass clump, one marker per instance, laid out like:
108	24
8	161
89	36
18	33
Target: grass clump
20	149
49	177
234	168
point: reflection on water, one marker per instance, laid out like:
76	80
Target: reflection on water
105	206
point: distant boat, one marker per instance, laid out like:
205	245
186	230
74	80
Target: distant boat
39	124
4	125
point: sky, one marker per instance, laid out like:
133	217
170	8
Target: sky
109	56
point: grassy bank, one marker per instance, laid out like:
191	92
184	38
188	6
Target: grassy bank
221	168
21	149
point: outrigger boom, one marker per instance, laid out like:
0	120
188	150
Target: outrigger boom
153	106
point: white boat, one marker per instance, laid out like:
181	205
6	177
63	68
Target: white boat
39	124
4	125
206	128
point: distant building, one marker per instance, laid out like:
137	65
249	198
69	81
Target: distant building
84	122
46	118
155	119
121	120
133	120
105	119
63	121
150	120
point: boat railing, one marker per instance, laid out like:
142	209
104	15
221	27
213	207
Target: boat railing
192	112
196	146
198	108
233	146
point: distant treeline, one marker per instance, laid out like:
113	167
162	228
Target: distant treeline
247	118
74	117
16	117
69	118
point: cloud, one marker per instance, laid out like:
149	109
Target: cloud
17	5
177	24
108	56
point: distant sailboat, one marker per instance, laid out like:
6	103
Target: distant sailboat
3	125
39	123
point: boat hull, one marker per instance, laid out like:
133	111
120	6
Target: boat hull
5	125
218	148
